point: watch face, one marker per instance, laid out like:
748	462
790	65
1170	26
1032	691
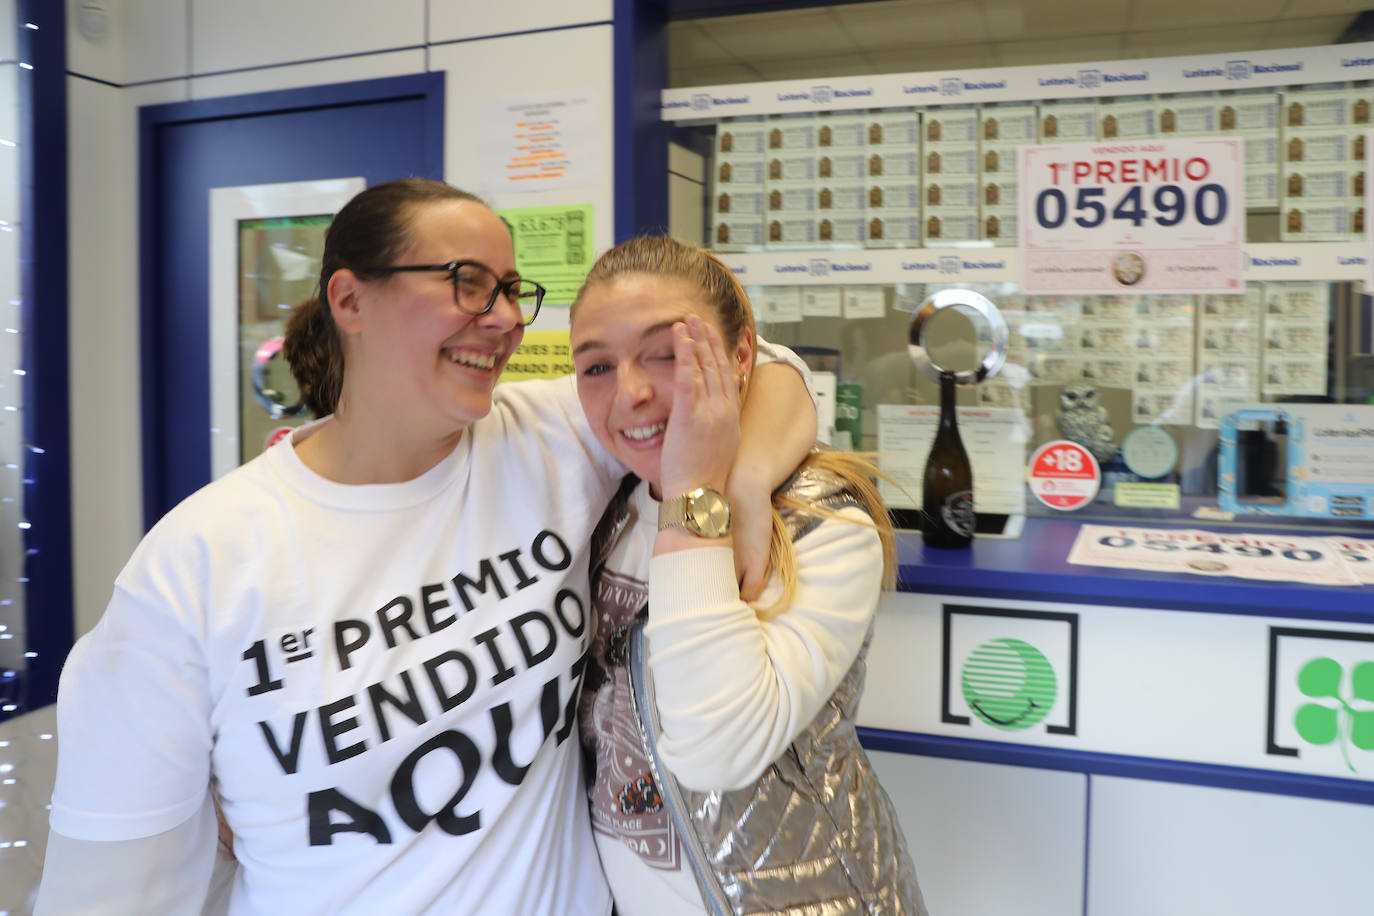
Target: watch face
708	513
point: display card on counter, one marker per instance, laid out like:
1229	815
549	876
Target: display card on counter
994	438
1267	557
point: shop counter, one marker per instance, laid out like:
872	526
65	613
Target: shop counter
1073	739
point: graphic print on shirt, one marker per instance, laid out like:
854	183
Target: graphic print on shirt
403	675
626	802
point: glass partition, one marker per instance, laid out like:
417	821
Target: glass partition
1090	369
840	222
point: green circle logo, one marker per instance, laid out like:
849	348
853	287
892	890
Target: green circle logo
1009	684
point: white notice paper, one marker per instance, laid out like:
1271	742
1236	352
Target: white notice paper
863	302
821	302
781	305
994	437
541	143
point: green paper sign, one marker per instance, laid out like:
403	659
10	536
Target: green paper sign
553	247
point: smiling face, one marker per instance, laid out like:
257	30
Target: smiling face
622	340
411	352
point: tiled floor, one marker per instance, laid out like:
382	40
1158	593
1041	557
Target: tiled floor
28	764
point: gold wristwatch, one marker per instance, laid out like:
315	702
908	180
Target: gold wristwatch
703	511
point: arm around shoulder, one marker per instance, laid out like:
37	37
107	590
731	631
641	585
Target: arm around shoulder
733	691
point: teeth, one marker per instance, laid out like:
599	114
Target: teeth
645	432
475	360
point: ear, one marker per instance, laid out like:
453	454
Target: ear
744	354
345	292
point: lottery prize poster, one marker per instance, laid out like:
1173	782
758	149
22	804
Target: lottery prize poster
1146	216
1267	557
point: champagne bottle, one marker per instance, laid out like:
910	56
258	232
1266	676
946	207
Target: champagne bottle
947	518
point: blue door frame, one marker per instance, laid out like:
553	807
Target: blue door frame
376	129
46	465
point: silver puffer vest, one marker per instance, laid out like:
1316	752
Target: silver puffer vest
815	835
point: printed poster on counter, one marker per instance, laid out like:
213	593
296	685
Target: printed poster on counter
1138	216
1265	557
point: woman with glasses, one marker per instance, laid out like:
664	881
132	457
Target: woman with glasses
366	644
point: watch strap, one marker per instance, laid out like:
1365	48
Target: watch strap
672	512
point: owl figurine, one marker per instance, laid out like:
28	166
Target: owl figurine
1083	419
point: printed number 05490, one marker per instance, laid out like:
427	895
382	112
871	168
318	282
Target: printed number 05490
1302	555
1171	205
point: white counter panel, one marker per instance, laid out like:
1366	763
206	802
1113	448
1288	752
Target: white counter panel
990	840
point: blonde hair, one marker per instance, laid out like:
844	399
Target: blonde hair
667	257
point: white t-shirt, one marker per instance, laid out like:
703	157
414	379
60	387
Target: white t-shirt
733	691
382	679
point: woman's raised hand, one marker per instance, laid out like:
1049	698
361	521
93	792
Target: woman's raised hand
702	437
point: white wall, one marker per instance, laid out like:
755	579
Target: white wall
686	194
1195	851
988	839
157	51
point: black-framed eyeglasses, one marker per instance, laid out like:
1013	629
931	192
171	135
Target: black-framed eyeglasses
476	287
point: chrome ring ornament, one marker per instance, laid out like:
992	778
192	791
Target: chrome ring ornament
949	298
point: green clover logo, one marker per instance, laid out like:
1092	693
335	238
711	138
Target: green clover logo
1331	717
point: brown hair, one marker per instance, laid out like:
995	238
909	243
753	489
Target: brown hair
667	257
371	231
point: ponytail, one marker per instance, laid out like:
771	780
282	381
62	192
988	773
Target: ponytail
313	350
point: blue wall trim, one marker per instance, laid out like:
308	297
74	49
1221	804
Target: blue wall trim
1034	567
1151	768
640	73
416	85
428	88
49	615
